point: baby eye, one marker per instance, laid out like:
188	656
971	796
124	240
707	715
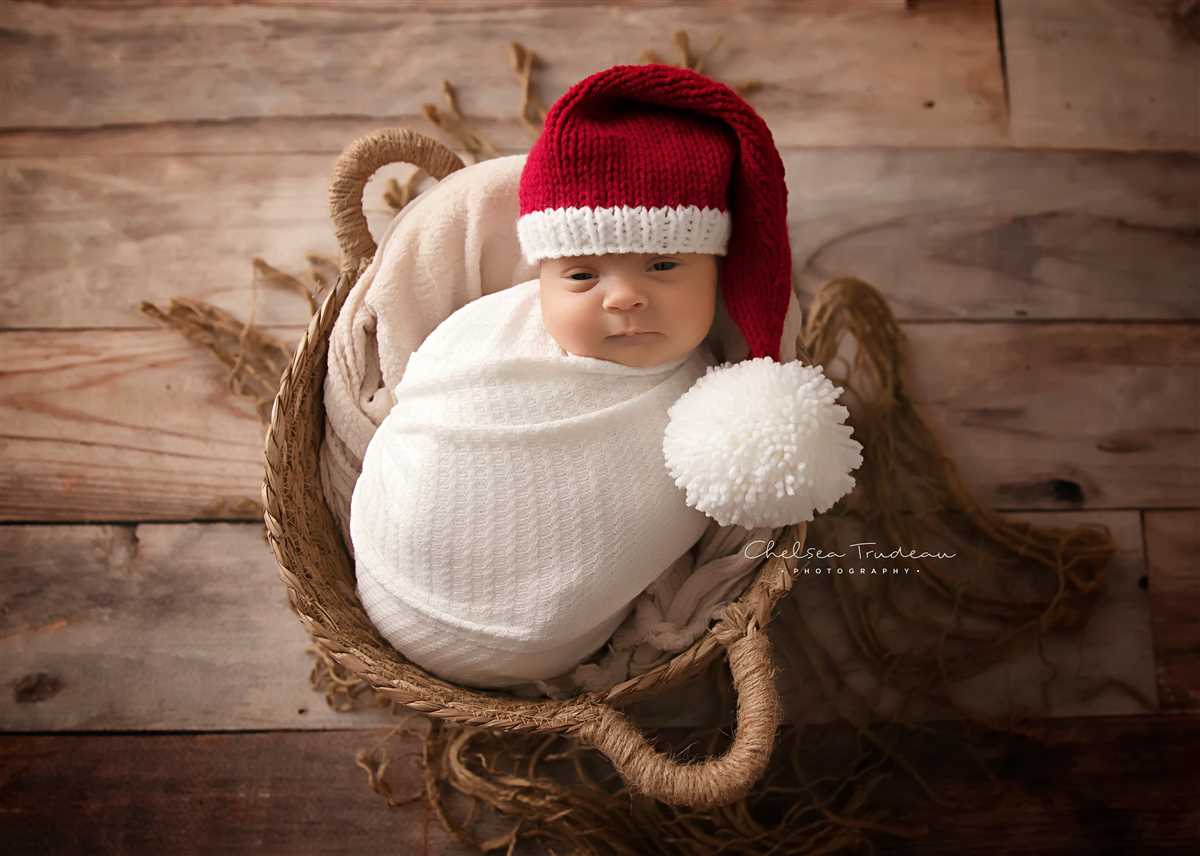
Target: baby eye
656	265
581	273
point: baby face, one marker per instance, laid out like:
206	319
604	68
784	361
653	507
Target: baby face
590	303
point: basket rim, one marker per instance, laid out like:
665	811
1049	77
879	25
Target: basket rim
400	680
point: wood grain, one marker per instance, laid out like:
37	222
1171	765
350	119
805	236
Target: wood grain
1104	784
152	627
279	792
95	236
120	425
945	234
1064	415
854	74
968	234
186	627
1172	543
1114	74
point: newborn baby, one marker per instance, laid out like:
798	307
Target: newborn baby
514	502
535	476
638	309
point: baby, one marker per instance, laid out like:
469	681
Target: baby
514	502
638	309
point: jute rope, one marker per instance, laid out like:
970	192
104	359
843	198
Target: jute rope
721	780
318	573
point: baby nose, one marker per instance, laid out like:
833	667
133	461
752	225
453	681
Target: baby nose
622	295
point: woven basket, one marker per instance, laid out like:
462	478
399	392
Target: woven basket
319	574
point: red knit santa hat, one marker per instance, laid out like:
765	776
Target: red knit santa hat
656	159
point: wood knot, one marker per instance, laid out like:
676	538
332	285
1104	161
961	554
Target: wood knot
36	687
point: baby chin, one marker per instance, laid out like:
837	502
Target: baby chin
641	350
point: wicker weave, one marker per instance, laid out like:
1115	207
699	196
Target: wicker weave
319	574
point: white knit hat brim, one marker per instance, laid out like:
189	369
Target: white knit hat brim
557	232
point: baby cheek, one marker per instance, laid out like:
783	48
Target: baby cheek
591	321
574	321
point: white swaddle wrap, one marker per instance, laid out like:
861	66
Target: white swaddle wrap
514	503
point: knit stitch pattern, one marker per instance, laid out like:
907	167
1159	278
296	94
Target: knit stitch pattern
597	231
514	502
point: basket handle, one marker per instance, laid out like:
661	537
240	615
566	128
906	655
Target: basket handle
717	781
358	162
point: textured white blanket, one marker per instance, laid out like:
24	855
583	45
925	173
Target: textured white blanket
453	244
514	502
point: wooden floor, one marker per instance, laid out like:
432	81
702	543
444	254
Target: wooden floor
1021	179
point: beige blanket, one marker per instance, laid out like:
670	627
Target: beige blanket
452	244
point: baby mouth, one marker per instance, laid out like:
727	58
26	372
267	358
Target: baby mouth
636	334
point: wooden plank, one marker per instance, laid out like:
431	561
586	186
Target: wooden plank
1002	234
1105	784
153	627
855	73
274	792
1121	784
944	234
1172	542
1106	669
186	627
117	425
1062	415
1106	74
93	237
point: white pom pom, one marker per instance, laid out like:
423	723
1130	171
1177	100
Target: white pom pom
761	443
